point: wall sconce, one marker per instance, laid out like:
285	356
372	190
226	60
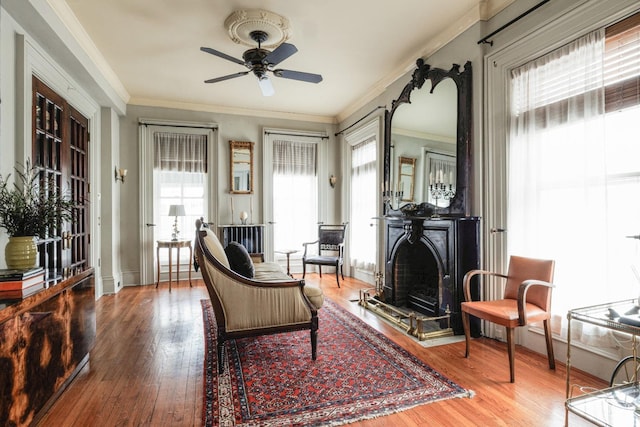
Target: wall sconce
120	174
332	181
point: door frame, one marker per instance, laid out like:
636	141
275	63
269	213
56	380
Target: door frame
373	127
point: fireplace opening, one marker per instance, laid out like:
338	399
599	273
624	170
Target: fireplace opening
417	279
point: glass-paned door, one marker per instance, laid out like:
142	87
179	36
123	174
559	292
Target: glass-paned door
61	153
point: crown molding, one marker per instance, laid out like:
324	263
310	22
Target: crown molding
432	45
70	21
149	102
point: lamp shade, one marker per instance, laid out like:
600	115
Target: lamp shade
176	210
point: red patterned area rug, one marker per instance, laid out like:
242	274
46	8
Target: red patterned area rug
272	381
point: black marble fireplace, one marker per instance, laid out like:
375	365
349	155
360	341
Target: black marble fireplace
426	260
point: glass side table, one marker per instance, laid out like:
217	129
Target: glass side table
613	406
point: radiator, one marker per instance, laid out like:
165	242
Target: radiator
249	236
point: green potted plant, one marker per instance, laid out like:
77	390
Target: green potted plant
31	208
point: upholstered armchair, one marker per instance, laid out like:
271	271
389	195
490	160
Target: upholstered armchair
527	299
269	302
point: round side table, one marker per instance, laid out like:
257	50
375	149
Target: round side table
171	244
288	253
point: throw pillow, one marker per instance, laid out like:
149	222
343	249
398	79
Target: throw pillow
215	247
239	259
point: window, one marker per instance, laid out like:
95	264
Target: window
179	178
573	174
295	193
363	205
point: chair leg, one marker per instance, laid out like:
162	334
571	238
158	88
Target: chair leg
337	277
314	344
320	270
342	271
467	334
304	269
314	336
511	347
549	339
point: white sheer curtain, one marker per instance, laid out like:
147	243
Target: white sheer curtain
565	200
363	205
295	194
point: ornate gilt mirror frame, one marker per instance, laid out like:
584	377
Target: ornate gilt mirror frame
241	167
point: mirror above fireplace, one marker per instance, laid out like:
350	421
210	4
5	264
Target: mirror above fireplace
431	122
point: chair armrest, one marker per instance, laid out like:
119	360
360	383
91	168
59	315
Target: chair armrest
306	244
522	297
466	283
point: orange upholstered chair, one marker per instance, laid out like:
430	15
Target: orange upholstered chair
527	299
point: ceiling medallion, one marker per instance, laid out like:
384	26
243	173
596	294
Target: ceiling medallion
242	23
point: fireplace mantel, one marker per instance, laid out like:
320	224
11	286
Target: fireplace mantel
425	263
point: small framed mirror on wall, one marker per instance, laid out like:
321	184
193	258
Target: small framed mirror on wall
241	167
406	176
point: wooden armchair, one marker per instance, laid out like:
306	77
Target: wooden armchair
270	302
527	299
330	239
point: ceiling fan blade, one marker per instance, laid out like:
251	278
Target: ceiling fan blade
230	76
298	75
280	53
222	55
265	86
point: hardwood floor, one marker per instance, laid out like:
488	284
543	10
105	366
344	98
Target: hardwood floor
146	369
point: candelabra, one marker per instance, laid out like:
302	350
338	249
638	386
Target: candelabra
390	197
440	190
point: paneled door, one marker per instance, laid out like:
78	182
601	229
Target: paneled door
61	154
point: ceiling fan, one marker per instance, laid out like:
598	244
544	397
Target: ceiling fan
260	61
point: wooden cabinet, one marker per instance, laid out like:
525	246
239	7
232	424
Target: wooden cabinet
45	341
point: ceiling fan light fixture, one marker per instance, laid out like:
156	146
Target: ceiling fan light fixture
265	86
258	26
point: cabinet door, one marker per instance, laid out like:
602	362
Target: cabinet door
43	348
60	151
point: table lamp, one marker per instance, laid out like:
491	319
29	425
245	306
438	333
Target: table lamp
176	211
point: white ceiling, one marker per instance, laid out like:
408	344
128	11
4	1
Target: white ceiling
359	47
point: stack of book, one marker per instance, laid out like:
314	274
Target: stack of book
20	283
